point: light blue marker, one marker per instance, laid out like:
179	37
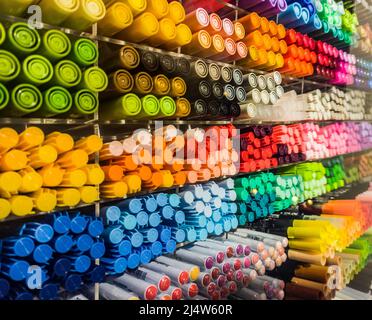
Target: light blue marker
210	226
167	212
113	234
156	248
226	224
170	246
114	266
150	235
132	205
110	214
128	221
178	234
218	229
150	204
42	233
196	220
142	219
135	237
201	233
162	199
165	233
154	219
190	233
174	200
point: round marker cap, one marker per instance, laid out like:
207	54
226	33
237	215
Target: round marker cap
130	222
165	235
170	246
137	239
63	243
84	242
95	228
82	263
78	224
146	256
125	248
4	284
120	265
179	217
97	250
191	235
180	235
156	248
142	218
73	283
62	224
97	275
133	261
61	267
44	233
42	253
19	270
24	247
49	292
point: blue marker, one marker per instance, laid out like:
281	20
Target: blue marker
154	219
165	233
61	223
216	215
63	243
174	200
131	205
114	266
73	283
161	199
49	291
97	250
190	233
128	221
78	223
95	227
61	267
110	214
19	292
226	224
196	220
145	256
96	275
218	229
80	263
292	14
113	234
150	204
167	212
42	253
142	219
135	237
210	226
169	246
150	235
39	232
178	234
201	233
17	246
83	243
4	288
156	248
16	270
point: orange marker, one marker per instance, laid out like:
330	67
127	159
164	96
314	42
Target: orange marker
283	48
191	176
273	28
31	180
179	178
42	156
281	31
254	39
144	172
250	22
289	65
292	52
301	53
267	43
113	172
264	25
197	19
126	162
13	160
74	178
275	46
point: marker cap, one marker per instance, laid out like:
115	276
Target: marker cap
63	244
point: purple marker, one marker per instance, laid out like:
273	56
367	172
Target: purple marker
218	256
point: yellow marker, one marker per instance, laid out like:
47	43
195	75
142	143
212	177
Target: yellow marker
5	208
183	37
89	194
194	273
111	190
308	245
52	175
68	197
305	232
15	7
62	142
31	180
137	6
30	138
133	182
168	179
45	200
159	8
94	173
118	17
8	139
143	27
42	156
176	12
10	182
74	178
89	12
57	11
74	159
21	205
167	32
13	160
90	144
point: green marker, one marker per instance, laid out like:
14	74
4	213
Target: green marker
36	70
25	98
2	34
55	45
127	106
9	66
94	79
56	100
22	40
167	107
4	96
84	52
67	74
85	103
150	107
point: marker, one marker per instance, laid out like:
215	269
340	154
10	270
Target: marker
111	292
56	100
162	281
193	270
21	39
118	17
183	37
143	27
177	275
55	45
197	19
87	14
167	32
66	74
176	12
56	12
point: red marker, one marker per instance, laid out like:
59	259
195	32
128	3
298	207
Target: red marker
175	293
163	296
177	275
190	290
161	280
231	285
204	279
215	272
142	288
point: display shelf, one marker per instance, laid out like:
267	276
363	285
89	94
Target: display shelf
48	121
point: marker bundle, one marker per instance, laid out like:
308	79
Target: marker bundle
167	158
357	167
334	173
334	104
64	246
263	147
49	73
156	23
145	85
262	90
39	172
265	42
364	73
215	91
261	195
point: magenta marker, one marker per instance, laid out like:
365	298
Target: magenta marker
255	245
177	275
217	255
161	280
190	290
254	257
195	257
246	262
208	291
215	272
230	275
143	289
231	285
224	266
238	276
204	279
224	293
238	248
221	280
